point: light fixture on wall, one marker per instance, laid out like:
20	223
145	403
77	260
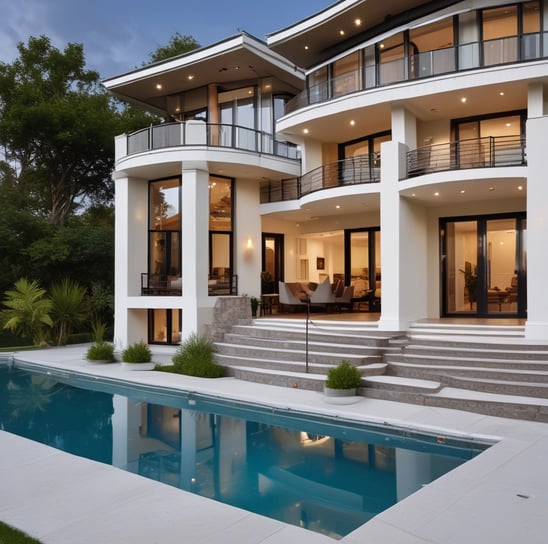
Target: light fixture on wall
249	244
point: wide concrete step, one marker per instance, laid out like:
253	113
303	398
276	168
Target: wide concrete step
437	371
260	353
315	334
454	330
402	384
503	387
472	351
316	367
464	360
300	344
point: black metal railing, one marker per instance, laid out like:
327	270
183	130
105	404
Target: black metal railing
511	49
488	152
161	285
354	170
208	134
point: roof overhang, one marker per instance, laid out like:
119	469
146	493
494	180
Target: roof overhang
236	59
344	24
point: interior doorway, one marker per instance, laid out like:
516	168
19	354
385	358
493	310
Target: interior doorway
272	262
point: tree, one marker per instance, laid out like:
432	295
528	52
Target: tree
57	127
177	45
27	312
70	308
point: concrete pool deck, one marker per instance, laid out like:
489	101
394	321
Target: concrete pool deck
501	496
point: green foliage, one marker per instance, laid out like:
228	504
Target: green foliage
70	308
344	376
196	357
137	353
13	536
27	311
101	351
177	45
98	329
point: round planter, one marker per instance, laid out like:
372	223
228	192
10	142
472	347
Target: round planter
340	396
138	366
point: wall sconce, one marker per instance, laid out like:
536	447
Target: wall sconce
249	244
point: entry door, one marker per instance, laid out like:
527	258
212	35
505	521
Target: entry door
483	266
272	262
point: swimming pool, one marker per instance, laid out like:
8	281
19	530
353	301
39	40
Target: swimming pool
328	476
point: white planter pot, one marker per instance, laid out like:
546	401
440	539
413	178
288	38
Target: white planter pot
139	366
340	396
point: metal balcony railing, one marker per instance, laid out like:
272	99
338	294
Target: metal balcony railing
354	170
161	285
425	64
488	152
213	135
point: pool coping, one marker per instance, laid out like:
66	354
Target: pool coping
489	499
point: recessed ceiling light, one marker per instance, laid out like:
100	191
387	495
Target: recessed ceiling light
463	99
462	191
381	45
306	47
305	131
358	22
520	187
436	194
508	124
501	93
191	77
413	194
159	86
338	207
341	32
491	188
352	122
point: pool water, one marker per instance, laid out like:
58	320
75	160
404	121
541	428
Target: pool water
326	475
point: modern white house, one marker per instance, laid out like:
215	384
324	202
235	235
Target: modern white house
397	147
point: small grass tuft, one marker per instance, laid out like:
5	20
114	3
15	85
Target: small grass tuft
137	353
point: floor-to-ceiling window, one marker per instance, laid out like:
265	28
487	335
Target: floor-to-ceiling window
221	277
483	265
164	239
272	262
164	326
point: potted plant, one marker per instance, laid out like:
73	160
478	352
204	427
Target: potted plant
254	305
342	380
137	356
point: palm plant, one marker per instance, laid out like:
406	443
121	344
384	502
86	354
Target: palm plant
70	308
27	311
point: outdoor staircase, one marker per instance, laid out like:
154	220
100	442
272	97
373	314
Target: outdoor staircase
275	351
488	369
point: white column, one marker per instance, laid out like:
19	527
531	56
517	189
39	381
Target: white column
197	308
537	215
403	235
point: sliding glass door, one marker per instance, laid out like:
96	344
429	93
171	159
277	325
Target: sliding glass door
483	266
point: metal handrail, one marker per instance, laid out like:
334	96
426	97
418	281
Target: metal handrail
487	152
208	134
426	64
353	170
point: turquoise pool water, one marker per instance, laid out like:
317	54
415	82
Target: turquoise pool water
326	475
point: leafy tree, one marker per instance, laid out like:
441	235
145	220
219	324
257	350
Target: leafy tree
177	45
70	308
57	126
27	311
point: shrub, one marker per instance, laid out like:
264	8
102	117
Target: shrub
101	351
344	376
195	357
137	353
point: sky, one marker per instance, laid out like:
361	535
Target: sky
119	35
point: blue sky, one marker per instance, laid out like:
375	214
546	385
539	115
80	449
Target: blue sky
118	35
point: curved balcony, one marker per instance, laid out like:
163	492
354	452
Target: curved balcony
426	64
488	152
198	133
354	170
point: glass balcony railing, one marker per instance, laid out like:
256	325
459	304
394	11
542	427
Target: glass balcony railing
354	170
488	152
214	135
469	56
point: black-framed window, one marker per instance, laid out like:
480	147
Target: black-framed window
164	326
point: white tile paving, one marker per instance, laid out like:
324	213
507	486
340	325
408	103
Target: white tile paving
61	498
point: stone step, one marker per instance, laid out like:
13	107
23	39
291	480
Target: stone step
398	383
463	361
300	380
280	365
508	406
470	330
486	352
502	387
314	334
260	353
300	344
437	371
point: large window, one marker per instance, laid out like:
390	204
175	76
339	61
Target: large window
346	74
164	326
164	241
220	236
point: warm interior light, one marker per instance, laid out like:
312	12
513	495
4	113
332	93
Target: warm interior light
341	32
190	77
249	244
352	122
